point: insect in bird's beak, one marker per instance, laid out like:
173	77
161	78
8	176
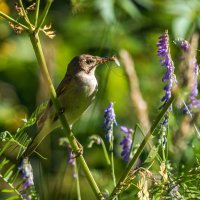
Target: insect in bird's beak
112	58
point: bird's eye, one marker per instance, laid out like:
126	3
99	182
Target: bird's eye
89	61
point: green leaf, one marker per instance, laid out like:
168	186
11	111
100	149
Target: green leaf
180	26
3	163
14	177
5	147
17	186
106	8
9	172
130	8
13	197
152	154
7	190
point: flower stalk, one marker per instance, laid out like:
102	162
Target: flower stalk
109	122
77	181
25	15
44	15
10	19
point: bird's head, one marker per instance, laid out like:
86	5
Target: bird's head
86	63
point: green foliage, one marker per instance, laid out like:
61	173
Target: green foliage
9	172
100	27
10	176
184	185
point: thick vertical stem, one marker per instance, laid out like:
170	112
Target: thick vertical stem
42	62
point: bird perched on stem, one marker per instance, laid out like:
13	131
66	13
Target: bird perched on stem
75	93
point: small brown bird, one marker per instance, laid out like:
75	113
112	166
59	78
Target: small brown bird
75	93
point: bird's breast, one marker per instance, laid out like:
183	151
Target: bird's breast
78	97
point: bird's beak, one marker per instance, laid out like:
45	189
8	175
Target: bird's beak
104	60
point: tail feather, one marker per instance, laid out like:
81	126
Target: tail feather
37	140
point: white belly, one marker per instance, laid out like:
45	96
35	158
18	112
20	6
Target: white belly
77	99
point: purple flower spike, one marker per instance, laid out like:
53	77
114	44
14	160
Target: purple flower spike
27	175
71	159
193	101
109	120
170	78
126	142
183	44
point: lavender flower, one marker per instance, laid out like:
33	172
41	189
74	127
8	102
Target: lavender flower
70	158
193	101
170	78
71	161
27	174
64	142
183	44
109	120
126	142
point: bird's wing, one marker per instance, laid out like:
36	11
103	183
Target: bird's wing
64	85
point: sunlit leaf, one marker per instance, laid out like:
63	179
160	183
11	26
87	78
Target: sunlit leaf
152	154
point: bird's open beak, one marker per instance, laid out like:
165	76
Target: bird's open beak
103	60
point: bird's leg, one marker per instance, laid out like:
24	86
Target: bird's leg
77	152
61	111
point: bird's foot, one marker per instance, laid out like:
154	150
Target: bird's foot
78	152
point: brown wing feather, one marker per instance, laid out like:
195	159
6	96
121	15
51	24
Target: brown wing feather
62	87
64	84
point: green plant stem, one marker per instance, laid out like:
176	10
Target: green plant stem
77	181
112	163
140	149
37	12
150	145
42	62
105	152
44	14
133	137
13	20
25	15
113	168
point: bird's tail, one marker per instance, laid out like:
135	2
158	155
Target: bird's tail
43	132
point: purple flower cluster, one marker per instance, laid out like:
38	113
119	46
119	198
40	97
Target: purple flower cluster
193	101
70	158
183	44
109	121
27	174
170	78
126	142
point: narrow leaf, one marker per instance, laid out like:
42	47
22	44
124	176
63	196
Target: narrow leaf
3	163
7	190
14	197
152	154
9	172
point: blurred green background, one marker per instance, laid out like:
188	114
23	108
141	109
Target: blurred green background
98	27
